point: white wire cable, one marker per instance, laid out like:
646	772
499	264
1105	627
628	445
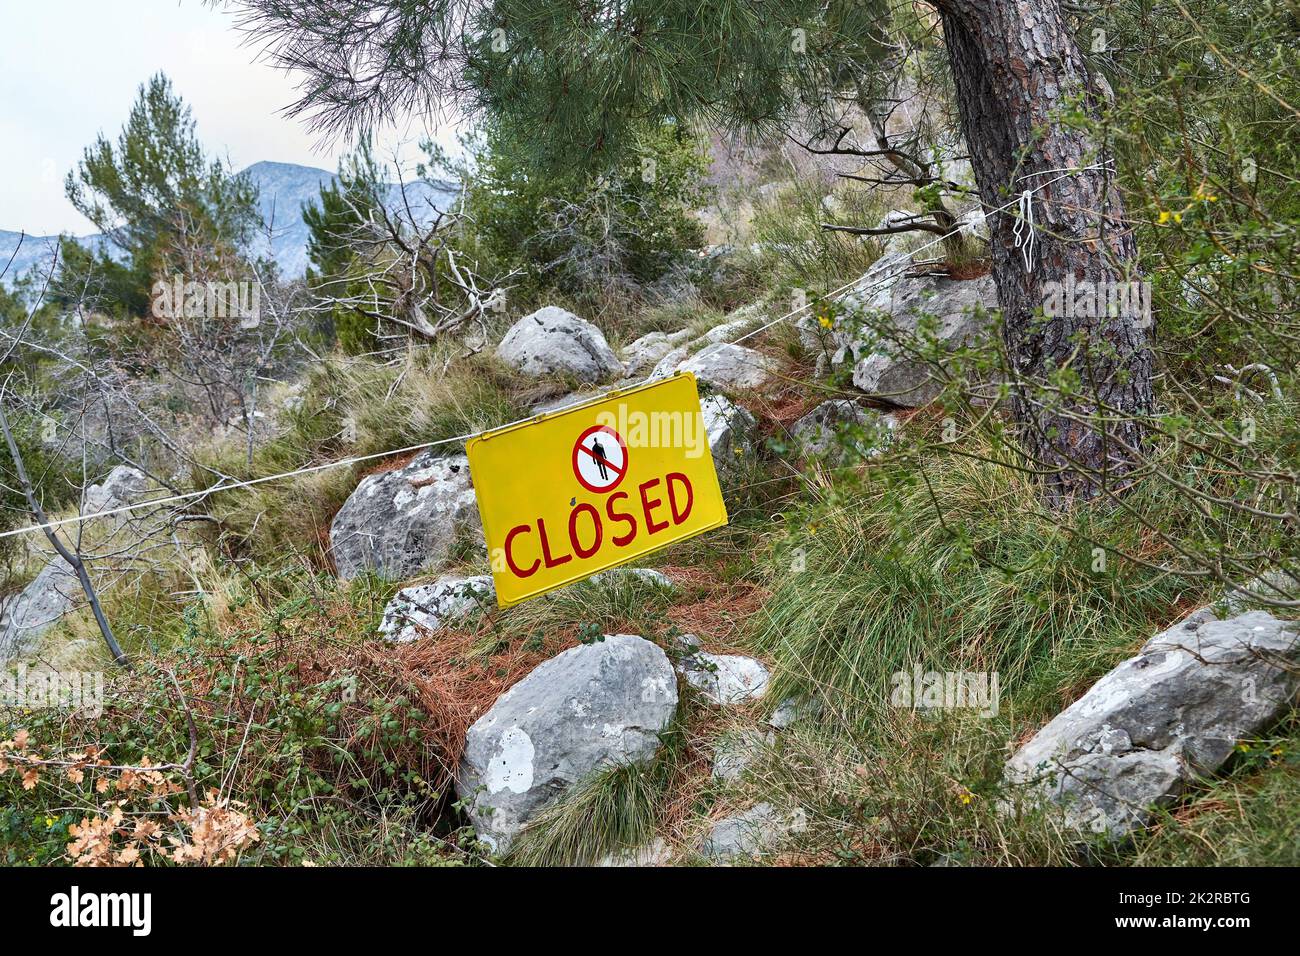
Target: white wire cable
1023	231
220	486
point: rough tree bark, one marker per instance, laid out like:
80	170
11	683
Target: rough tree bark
1016	66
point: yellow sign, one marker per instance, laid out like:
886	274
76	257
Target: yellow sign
573	492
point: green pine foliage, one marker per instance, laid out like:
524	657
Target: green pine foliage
333	221
142	190
580	231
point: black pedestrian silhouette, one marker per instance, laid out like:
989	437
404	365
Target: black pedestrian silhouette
598	452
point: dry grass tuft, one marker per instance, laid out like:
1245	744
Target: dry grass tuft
460	677
720	617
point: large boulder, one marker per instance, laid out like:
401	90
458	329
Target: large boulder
401	522
729	367
873	285
891	297
554	341
55	590
425	608
1162	719
591	707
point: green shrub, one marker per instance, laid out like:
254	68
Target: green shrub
947	561
328	748
585	234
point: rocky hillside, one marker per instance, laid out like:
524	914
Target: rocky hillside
1134	743
1000	381
784	689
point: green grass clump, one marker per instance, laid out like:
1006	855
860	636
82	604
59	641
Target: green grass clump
614	809
954	568
616	600
794	251
921	790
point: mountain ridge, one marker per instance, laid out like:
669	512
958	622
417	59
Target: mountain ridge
283	189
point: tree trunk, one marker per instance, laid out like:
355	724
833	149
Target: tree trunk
1016	68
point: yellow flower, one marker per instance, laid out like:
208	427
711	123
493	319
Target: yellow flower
49	822
965	797
825	321
1178	217
1164	218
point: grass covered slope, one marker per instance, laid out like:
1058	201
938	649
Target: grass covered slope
340	748
314	741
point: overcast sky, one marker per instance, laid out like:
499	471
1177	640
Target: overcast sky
69	69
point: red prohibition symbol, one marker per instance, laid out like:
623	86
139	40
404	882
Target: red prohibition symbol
600	458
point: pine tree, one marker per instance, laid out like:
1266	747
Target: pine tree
345	203
583	232
143	190
334	222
